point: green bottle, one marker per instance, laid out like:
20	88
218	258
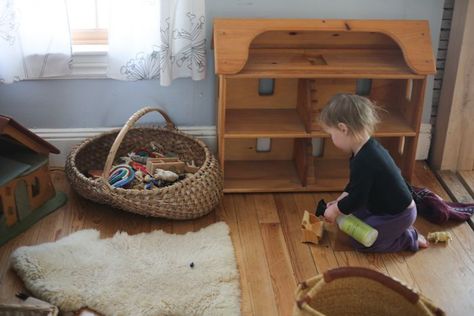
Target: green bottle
352	226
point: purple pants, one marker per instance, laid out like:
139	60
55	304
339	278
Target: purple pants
396	232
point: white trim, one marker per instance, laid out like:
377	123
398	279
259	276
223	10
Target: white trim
424	142
88	62
66	138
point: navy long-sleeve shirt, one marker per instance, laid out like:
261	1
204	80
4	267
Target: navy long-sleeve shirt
375	183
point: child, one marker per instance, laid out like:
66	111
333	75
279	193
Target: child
377	193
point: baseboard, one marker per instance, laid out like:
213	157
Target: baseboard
66	138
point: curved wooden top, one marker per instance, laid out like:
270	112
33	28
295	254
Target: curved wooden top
233	37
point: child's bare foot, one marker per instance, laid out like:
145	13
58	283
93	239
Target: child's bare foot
422	243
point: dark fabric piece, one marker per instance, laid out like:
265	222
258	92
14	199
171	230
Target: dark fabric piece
432	207
375	183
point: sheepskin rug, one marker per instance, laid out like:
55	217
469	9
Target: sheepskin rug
146	274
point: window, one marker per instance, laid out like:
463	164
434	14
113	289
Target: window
88	21
35	187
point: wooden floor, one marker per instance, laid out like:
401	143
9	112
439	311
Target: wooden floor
459	186
265	230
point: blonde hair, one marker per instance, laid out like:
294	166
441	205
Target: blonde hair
358	113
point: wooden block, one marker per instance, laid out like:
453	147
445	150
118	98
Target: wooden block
308	236
311	228
95	173
177	167
167	159
191	169
161	160
171	164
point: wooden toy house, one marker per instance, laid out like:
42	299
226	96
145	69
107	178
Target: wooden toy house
275	76
26	190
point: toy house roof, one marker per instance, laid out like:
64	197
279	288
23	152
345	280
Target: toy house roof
24	136
265	48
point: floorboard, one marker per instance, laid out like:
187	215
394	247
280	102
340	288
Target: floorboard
290	218
454	186
254	258
467	178
265	230
459	186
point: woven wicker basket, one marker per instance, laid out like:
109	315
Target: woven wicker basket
189	198
359	291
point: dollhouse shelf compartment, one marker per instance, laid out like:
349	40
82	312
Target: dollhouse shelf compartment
281	176
309	61
313	63
264	123
251	123
261	176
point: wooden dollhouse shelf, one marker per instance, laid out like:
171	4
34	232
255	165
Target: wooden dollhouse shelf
264	123
276	75
326	63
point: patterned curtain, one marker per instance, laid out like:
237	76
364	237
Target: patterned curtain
34	39
157	39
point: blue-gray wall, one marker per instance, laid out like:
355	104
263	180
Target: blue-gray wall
107	103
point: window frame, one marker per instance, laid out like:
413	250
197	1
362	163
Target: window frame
89	52
95	36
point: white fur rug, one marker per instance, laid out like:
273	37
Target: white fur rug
144	274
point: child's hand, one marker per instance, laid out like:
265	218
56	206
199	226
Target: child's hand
331	213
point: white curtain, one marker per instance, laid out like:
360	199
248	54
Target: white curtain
34	39
148	39
157	39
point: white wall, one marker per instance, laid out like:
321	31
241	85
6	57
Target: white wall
108	103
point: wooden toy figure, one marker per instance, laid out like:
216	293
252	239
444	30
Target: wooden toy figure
312	228
26	191
439	237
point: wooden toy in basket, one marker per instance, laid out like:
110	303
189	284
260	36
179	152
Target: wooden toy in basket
194	196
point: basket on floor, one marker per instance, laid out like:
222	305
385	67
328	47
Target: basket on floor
192	197
359	291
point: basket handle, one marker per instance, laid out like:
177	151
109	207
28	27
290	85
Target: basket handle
121	135
396	286
344	272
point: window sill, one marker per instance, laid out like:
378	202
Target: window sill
88	62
